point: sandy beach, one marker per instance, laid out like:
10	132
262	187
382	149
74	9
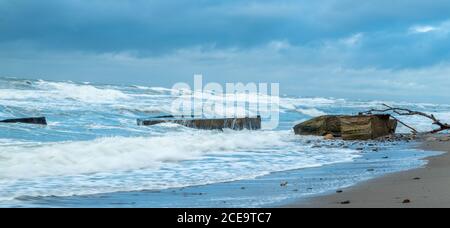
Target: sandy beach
427	187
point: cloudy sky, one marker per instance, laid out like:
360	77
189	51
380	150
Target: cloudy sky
380	49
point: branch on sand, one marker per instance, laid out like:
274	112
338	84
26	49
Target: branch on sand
408	112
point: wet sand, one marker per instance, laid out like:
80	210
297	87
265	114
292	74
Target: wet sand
427	187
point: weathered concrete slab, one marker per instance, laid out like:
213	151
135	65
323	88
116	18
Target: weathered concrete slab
360	127
32	120
321	126
366	127
208	124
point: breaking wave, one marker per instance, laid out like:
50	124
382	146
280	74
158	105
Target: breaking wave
175	160
93	144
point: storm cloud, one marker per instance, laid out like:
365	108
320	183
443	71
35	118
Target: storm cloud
357	45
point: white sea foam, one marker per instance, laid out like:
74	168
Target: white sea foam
64	90
311	112
16	94
110	153
4	142
171	160
84	93
309	102
120	153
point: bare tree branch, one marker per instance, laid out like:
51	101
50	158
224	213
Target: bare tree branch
408	112
406	125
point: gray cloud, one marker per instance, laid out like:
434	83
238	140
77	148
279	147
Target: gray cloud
339	48
271	63
151	27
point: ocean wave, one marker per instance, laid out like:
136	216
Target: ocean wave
84	93
145	110
93	145
56	91
171	160
121	153
311	112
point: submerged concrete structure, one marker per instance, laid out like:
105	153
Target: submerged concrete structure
248	123
360	127
31	120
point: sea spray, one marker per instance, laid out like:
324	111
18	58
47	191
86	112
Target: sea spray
92	144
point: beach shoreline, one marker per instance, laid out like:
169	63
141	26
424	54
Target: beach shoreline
425	187
273	189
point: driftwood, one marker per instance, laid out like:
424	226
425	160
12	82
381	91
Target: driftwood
408	112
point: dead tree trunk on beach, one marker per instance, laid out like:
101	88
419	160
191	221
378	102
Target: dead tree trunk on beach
408	112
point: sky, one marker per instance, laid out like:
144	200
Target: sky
370	50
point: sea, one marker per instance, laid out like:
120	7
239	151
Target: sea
92	153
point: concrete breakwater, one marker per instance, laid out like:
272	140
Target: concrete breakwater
249	123
32	120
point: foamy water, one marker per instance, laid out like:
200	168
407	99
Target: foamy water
92	144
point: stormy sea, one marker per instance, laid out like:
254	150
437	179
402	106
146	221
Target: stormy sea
93	154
